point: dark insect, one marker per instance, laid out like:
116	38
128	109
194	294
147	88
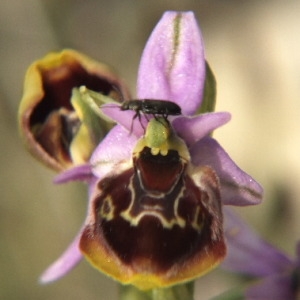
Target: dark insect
152	107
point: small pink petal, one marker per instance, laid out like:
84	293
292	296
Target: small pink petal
195	128
172	66
81	172
237	187
126	119
65	263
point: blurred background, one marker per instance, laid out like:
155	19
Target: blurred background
253	48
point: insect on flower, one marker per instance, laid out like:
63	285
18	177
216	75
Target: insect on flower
151	107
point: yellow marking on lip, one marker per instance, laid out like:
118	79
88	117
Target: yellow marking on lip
107	208
134	221
154	211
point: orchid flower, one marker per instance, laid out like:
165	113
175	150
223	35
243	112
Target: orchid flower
275	274
157	184
57	127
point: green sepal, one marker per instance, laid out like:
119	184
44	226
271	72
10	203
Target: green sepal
210	91
94	101
94	124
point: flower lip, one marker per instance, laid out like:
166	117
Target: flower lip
127	222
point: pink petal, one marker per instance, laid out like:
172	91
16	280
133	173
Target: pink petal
195	128
114	152
126	119
237	187
65	263
81	172
249	254
277	287
172	66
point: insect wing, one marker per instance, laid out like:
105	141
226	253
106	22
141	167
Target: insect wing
161	107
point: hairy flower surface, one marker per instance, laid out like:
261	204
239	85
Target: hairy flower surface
157	184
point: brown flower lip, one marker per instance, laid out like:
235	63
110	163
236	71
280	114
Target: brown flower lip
47	119
152	232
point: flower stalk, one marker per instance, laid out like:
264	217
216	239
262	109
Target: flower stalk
178	292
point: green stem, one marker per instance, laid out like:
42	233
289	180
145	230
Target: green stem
177	292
